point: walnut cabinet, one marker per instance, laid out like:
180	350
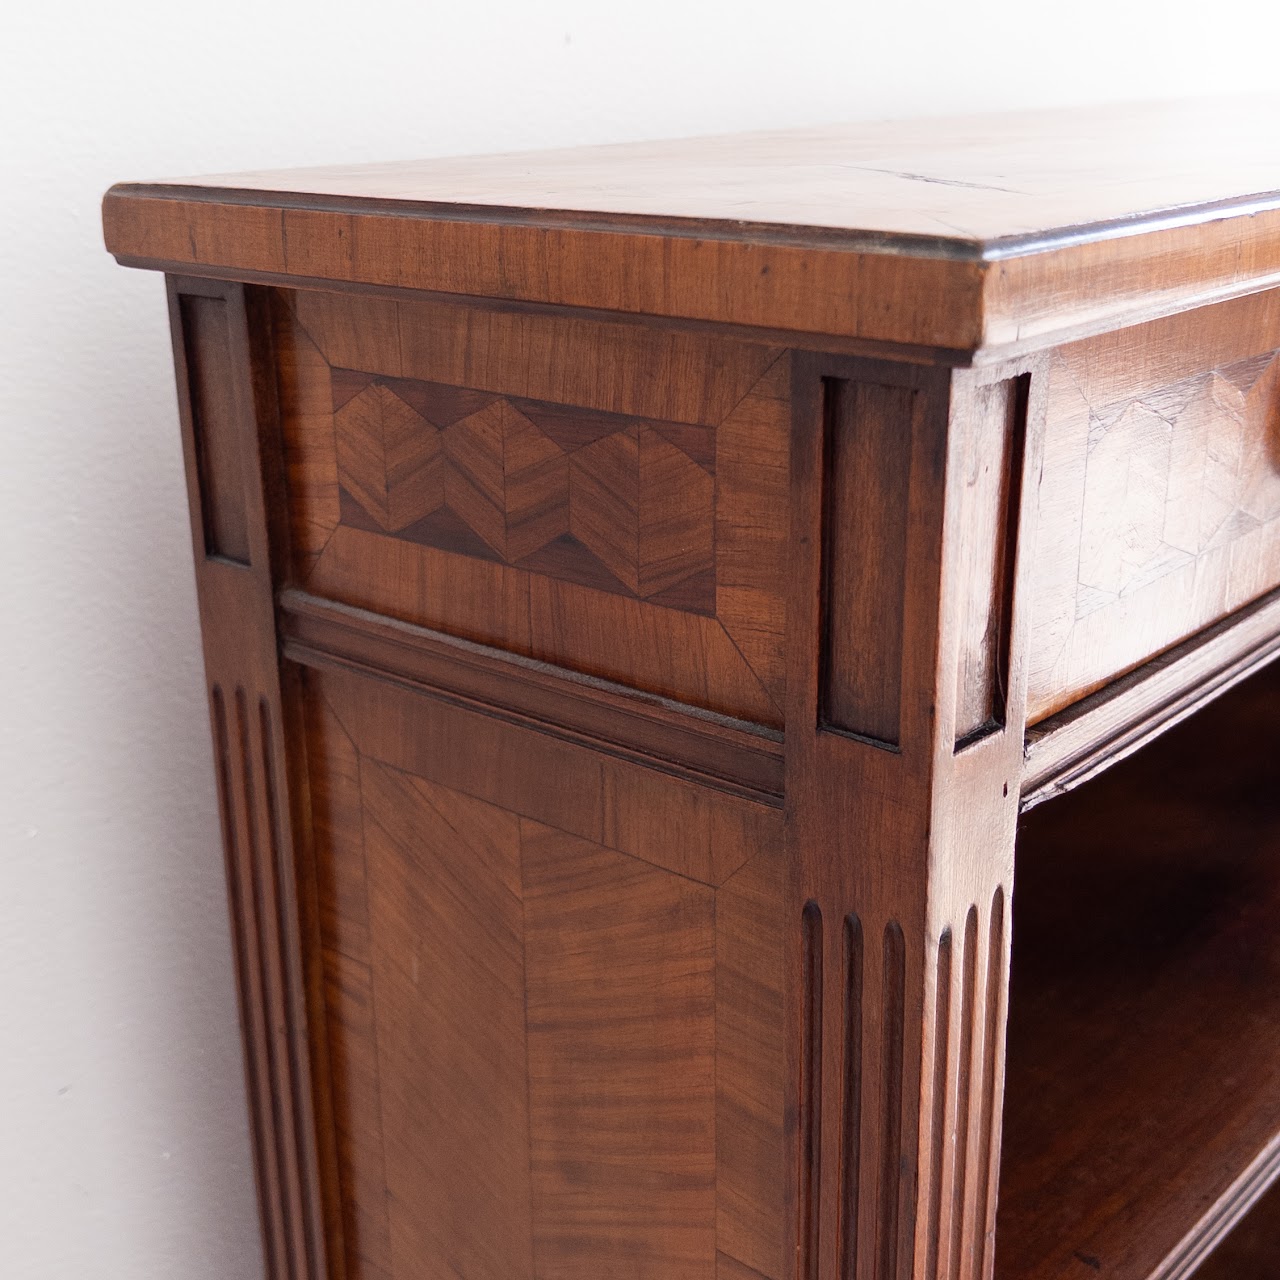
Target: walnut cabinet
647	592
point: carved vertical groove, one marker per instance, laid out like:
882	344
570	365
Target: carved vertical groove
237	826
941	1059
983	1256
275	1078
266	920
263	917
964	1090
810	1090
293	1130
893	1018
851	1121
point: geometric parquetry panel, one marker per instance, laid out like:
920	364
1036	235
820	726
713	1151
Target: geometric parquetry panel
599	496
1159	493
610	501
1179	473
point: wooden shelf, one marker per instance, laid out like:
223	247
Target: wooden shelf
1143	1089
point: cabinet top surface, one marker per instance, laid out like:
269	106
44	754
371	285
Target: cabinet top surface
994	181
962	234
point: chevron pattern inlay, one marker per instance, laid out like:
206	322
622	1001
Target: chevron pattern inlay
610	501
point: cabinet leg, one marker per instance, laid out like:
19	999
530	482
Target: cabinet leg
905	719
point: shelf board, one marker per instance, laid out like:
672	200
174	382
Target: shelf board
1142	1107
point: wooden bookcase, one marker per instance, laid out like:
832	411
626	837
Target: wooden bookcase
739	680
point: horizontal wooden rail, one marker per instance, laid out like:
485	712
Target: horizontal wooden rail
689	741
1087	737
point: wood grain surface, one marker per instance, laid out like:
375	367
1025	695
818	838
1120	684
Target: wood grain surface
988	232
235	489
1160	493
564	1037
900	846
640	586
597	496
976	178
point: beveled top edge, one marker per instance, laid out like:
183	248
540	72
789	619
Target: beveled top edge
659	226
983	188
904	244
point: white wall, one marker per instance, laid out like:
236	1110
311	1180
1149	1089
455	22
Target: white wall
123	1149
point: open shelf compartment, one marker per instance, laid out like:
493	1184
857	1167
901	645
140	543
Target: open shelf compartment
1142	1109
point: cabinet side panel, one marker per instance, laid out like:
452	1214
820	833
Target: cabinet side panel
751	1093
621	1063
554	983
448	988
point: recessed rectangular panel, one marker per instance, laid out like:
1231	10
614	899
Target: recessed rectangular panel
865	517
988	532
212	382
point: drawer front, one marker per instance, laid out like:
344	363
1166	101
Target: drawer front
606	497
1160	492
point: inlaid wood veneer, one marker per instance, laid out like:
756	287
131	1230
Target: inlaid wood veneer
641	587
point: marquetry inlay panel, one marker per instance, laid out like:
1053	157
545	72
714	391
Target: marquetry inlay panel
1183	471
1160	494
477	471
606	500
